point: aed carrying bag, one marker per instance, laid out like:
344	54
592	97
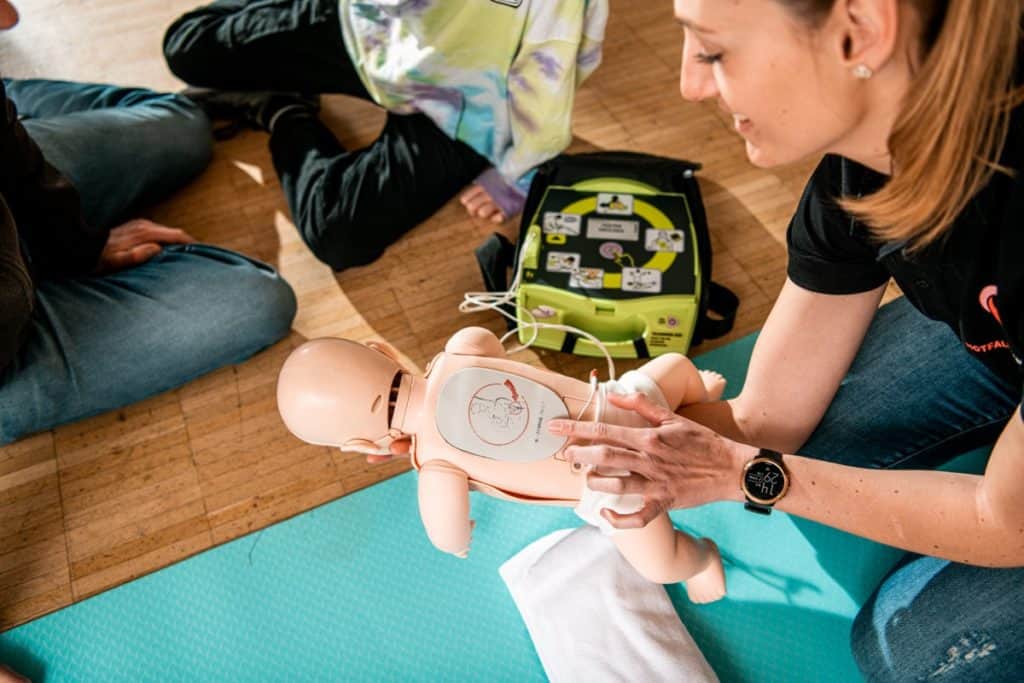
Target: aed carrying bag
615	244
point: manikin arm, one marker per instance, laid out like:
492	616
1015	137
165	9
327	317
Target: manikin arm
444	506
475	341
680	382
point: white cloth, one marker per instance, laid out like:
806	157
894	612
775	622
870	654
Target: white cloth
593	618
592	502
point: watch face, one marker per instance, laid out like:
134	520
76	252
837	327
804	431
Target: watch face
764	481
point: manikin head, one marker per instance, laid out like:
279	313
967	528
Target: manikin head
336	392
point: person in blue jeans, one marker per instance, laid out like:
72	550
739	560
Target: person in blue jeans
99	309
915	110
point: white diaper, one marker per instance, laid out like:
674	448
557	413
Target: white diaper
592	502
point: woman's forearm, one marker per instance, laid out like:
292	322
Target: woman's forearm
931	513
733	420
960	517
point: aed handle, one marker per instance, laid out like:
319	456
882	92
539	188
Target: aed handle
629	348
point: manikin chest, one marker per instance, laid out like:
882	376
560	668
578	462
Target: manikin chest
498	415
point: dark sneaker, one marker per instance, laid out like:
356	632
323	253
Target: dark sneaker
251	109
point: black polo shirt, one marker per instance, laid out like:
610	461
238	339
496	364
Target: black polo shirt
973	280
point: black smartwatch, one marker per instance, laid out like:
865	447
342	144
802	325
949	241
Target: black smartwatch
764	481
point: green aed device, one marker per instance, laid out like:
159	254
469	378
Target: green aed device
616	258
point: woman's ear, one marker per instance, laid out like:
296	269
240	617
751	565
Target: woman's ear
868	31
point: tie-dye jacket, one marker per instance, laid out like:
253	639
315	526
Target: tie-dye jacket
499	75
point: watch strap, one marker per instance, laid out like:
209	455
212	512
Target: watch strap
759	508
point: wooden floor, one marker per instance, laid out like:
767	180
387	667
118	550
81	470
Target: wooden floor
92	505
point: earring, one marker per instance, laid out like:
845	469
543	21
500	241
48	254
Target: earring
863	72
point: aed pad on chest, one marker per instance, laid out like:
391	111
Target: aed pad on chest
498	415
617	259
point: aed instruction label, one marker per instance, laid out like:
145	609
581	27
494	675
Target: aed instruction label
606	228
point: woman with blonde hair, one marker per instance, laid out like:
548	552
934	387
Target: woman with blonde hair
914	108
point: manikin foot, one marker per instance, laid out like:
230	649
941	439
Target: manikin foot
714	384
708	584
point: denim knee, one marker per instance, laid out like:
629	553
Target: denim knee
253	306
261	289
935	620
866	644
276	299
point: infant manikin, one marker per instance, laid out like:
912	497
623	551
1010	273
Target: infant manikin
478	420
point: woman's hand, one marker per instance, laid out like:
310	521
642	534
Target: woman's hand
135	242
675	463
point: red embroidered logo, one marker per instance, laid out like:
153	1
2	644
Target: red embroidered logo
987	299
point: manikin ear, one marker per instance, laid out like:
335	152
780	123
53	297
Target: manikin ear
867	32
385	348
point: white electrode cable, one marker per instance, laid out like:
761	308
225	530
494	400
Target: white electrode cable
475	302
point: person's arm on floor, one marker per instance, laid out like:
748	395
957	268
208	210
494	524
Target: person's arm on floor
560	48
680	463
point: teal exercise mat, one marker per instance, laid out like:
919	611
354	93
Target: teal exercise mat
353	591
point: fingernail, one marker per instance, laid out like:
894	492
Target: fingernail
556	427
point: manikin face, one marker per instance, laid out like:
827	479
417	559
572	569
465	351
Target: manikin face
786	86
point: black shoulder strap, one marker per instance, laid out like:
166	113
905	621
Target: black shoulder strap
723	303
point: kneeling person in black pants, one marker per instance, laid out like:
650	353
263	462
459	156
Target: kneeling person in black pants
464	105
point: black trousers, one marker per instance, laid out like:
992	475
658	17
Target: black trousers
348	205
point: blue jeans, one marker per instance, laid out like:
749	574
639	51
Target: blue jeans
914	398
98	343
